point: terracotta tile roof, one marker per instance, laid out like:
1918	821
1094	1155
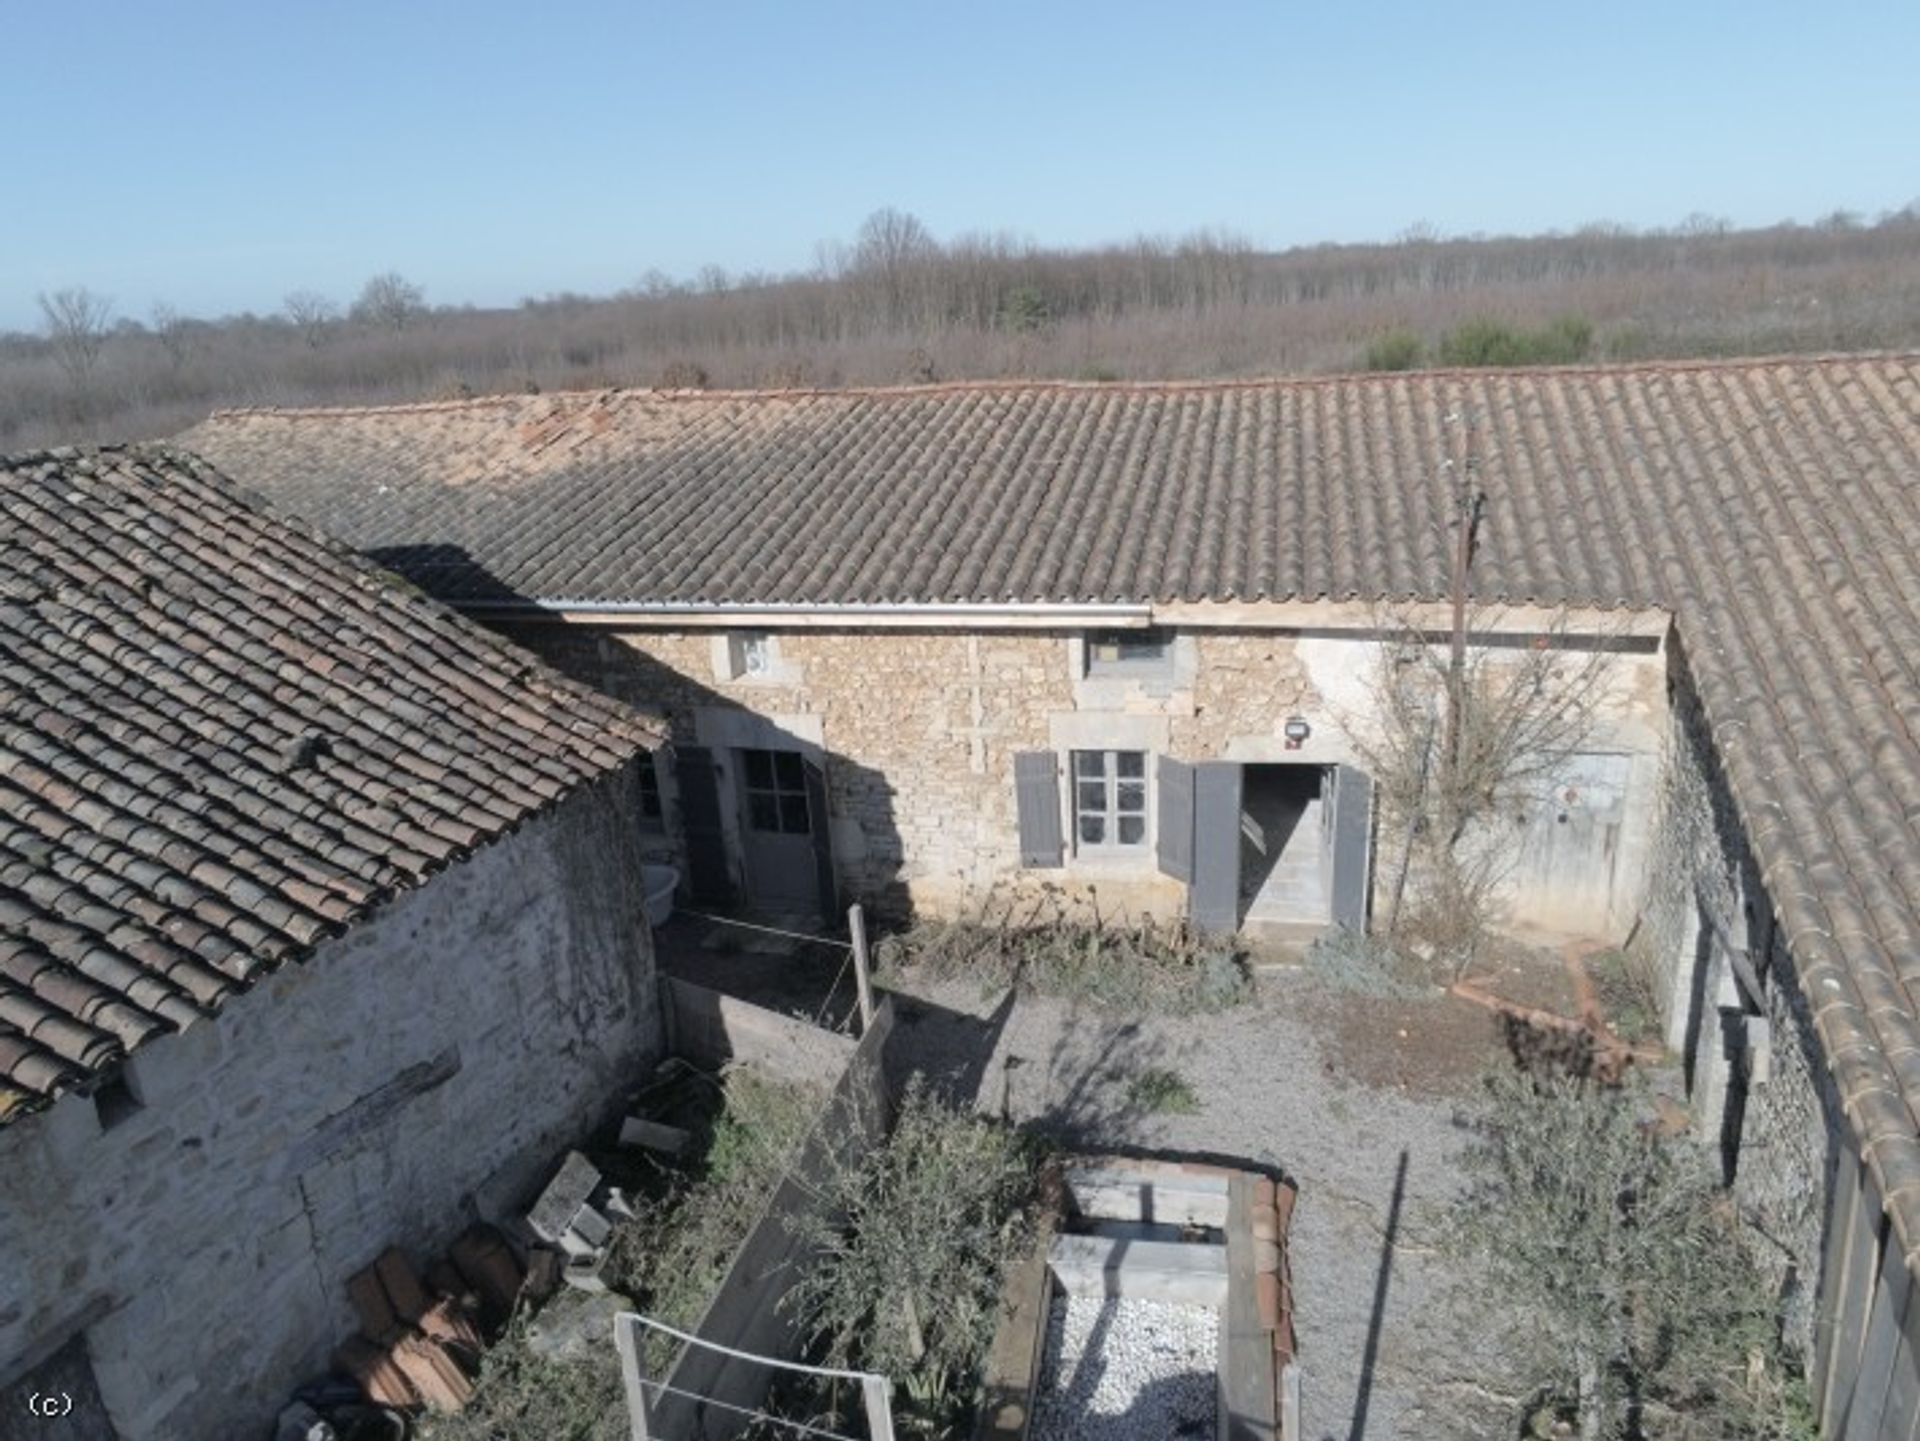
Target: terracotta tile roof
1773	506
223	739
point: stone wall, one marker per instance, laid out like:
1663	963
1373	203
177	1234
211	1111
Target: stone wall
918	730
1759	1088
419	1070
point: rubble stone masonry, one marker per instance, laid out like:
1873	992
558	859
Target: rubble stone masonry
419	1070
918	730
1761	1094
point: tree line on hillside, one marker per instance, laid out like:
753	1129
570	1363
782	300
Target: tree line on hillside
896	304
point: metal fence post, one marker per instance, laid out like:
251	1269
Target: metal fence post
862	973
626	1336
878	1392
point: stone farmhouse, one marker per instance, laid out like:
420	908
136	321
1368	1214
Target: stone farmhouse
914	644
319	932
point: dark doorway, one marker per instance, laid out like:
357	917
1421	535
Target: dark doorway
1283	845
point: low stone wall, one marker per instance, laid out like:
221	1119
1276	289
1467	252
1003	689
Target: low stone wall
424	1066
713	1028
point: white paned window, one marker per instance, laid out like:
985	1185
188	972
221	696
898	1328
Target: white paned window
752	654
1109	799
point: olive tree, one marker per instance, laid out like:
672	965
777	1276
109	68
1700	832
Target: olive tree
1623	1272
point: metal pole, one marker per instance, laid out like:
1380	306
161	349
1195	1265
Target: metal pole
878	1392
626	1336
862	974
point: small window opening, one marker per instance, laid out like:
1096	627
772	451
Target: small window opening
114	1101
751	652
1129	652
653	816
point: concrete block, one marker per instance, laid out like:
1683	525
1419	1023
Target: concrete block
582	1273
565	1194
590	1226
1186	1273
638	1132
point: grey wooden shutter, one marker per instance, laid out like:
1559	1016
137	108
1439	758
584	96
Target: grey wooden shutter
1173	844
1036	794
708	878
822	837
1213	903
1352	847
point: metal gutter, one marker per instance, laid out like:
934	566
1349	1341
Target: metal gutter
905	614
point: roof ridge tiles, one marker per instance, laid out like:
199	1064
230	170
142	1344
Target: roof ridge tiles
583	399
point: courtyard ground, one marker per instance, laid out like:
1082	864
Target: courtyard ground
1358	1099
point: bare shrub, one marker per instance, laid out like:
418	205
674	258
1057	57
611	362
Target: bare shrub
1468	730
684	375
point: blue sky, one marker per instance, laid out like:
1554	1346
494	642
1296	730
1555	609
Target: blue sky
217	155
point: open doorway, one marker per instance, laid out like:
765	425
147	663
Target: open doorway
1283	845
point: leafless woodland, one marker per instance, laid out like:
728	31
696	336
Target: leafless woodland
898	305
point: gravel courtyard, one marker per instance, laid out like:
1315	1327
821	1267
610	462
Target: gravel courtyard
1355	1099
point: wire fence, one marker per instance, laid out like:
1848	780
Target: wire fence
643	1391
856	958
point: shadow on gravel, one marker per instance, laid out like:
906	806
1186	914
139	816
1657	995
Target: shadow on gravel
1370	1357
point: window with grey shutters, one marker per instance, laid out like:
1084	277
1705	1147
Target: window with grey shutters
1109	800
1036	793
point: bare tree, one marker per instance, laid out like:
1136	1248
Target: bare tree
77	321
313	314
390	301
1469	729
892	251
174	332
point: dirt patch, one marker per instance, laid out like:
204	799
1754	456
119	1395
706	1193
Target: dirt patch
1532	976
1437	1047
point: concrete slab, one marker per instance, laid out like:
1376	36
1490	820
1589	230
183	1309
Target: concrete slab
1163	1194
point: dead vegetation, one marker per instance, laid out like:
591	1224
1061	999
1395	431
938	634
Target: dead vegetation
1043	945
899	305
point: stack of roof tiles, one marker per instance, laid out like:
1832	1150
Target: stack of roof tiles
223	739
1774	507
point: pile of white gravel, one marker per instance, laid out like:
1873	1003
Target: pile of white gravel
1125	1370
